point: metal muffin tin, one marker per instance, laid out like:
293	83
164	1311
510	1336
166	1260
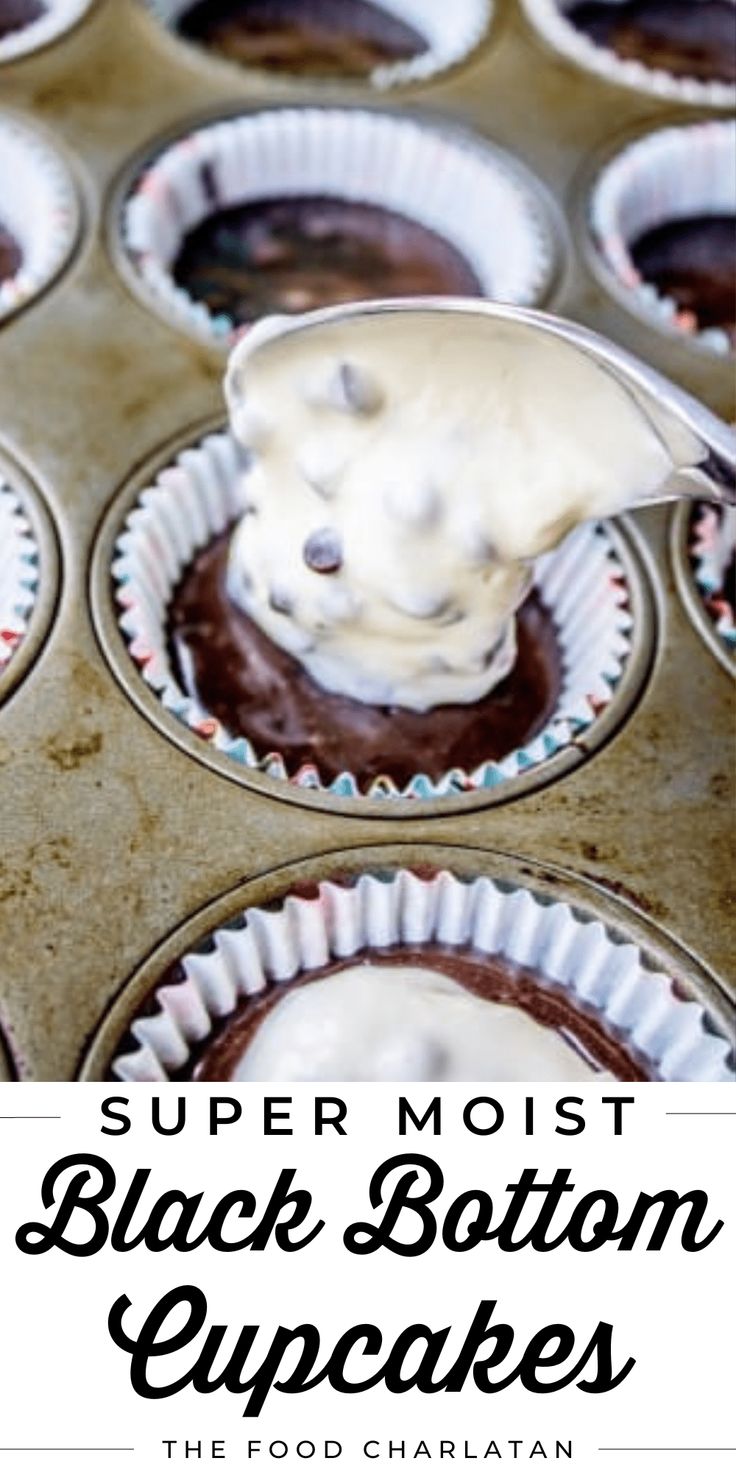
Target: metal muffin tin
114	835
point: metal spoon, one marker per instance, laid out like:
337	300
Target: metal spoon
700	445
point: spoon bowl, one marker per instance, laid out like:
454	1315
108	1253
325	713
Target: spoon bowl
701	446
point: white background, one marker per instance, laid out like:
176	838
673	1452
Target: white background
66	1385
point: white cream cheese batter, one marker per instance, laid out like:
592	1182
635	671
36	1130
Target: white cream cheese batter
407	467
401	1023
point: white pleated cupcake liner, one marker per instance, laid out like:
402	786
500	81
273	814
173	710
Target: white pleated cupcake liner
582	583
551	20
451	32
267	948
59	16
473	195
38	205
676	173
19	574
712	546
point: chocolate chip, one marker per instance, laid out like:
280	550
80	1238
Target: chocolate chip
322	550
281	601
491	653
343	386
450	615
356	390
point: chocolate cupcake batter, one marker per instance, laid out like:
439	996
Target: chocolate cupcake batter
291	255
492	978
693	262
256	689
676	36
15	15
340	38
10	254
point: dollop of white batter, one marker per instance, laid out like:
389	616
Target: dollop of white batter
375	1023
406	469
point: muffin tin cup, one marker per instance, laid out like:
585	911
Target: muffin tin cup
28	574
436	175
38	206
451	33
703	543
192	500
356	906
59	16
549	18
675	173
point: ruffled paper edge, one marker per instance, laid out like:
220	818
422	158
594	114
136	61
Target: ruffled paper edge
19	574
270	947
549	19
